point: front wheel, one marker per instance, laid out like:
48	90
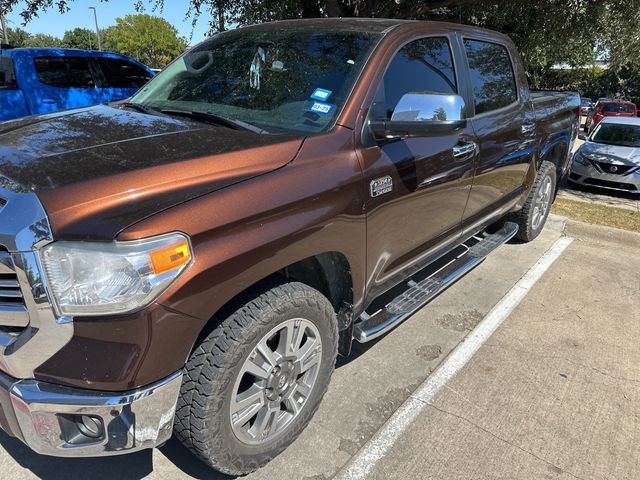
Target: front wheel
534	213
254	383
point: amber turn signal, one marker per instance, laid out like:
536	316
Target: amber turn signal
170	258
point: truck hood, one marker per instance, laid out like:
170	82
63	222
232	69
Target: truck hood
611	153
98	170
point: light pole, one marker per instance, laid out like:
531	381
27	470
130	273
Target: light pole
95	17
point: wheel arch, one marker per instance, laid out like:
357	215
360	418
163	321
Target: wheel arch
328	272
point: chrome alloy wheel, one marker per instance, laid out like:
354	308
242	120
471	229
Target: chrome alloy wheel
541	203
275	381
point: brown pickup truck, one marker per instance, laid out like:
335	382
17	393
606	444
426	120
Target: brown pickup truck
193	260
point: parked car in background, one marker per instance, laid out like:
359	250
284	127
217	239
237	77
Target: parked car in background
586	104
609	108
610	156
42	80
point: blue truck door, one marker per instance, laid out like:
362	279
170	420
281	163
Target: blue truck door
12	102
121	78
62	82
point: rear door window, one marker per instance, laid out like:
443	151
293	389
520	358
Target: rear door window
65	72
424	65
7	73
122	74
492	77
618	108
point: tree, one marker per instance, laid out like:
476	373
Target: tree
44	41
80	38
545	31
150	39
17	36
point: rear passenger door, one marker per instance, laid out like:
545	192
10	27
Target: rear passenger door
62	82
504	127
120	78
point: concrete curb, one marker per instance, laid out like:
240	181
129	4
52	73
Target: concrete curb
596	233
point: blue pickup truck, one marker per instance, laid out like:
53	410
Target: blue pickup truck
42	80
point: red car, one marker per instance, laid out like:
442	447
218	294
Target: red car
609	108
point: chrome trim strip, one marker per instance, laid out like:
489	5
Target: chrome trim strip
6	264
24	227
10	293
132	421
13	316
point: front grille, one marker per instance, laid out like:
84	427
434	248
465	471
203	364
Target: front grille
613	169
13	312
10	293
617	185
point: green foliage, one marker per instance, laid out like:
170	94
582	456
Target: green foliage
17	36
152	40
547	32
43	41
80	38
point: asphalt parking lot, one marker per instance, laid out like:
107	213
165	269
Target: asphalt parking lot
553	393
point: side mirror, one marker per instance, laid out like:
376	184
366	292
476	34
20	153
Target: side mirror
421	115
582	136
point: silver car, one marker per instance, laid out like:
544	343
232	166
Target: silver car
610	156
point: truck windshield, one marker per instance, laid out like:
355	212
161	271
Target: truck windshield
616	134
288	80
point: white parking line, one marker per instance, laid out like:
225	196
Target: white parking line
365	460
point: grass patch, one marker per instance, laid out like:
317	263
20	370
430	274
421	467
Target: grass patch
597	214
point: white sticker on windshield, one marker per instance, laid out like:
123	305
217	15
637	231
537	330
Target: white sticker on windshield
321	108
321	94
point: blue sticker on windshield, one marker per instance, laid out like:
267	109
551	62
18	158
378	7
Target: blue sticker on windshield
321	108
321	94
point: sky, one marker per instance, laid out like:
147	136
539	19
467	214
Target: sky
79	15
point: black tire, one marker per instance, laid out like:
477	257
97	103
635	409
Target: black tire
526	218
203	423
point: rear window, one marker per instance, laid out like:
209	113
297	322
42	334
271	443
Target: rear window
7	74
618	108
492	78
123	74
65	72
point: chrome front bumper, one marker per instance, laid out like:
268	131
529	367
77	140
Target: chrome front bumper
68	422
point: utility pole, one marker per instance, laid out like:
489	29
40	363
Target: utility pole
5	32
95	17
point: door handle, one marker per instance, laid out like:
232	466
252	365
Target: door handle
461	151
528	128
49	101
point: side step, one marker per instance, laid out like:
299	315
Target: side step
419	293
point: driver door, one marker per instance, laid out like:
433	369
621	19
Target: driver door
417	186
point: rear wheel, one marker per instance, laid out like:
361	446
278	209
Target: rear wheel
534	213
254	383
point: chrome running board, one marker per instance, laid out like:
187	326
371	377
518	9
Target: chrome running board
419	293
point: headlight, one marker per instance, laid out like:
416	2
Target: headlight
581	159
96	278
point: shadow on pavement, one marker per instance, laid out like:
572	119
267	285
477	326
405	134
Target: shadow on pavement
134	466
186	461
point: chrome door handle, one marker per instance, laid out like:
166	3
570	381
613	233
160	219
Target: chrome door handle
465	149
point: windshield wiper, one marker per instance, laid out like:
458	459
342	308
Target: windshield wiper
215	119
140	107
